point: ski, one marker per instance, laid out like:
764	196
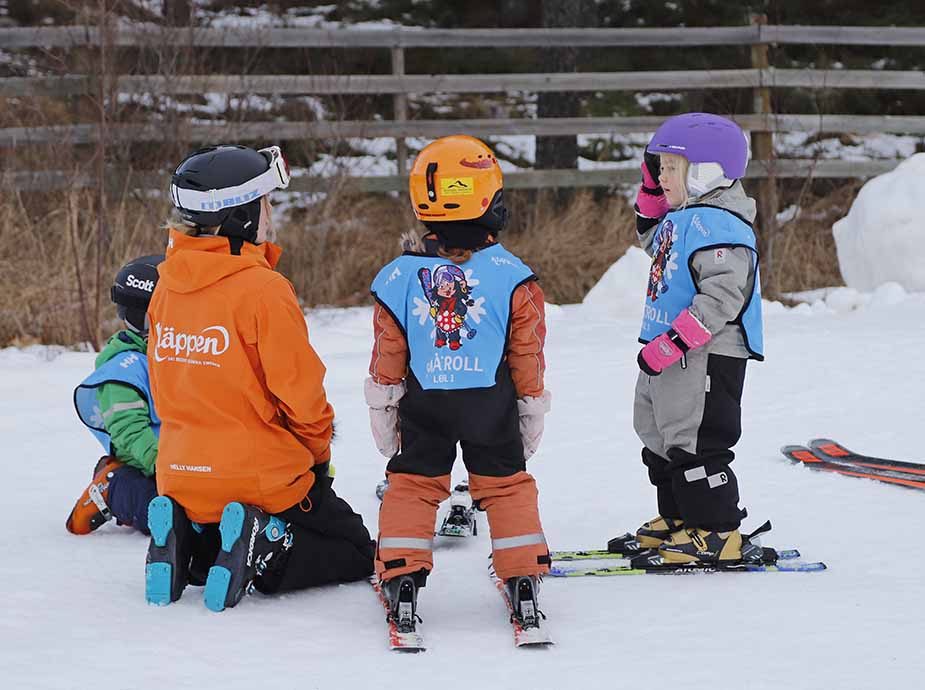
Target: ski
398	641
523	637
808	457
601	555
461	520
836	452
631	568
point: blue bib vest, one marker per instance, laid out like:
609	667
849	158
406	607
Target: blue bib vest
127	368
455	317
672	288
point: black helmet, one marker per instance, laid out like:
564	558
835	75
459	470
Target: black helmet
222	185
132	289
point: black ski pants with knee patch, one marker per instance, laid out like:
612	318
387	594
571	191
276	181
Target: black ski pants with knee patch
689	418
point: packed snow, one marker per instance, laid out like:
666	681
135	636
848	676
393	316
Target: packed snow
882	239
74	606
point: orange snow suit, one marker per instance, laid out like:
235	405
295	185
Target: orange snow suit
238	386
500	482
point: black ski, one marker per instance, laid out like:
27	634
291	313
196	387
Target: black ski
819	462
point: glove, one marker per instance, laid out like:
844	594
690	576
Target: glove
686	333
383	414
532	413
650	199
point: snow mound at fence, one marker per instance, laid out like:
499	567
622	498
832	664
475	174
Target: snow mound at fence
621	290
882	239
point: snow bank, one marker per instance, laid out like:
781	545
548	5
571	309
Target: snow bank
882	239
621	290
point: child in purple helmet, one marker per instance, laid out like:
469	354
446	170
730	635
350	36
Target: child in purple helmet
702	323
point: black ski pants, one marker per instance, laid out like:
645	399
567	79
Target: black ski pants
689	419
330	543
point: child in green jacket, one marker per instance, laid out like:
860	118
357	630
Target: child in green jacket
115	404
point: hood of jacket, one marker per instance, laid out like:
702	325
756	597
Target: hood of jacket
122	341
732	199
194	263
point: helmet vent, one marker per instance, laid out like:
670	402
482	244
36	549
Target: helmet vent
450	205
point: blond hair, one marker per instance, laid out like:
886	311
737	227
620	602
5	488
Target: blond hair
683	167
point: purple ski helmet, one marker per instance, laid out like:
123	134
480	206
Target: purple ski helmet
447	274
704	139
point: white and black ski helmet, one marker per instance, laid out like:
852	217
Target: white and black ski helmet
222	185
132	289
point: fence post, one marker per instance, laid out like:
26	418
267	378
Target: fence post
401	110
763	150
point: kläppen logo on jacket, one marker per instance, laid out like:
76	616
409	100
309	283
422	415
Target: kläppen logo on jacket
174	346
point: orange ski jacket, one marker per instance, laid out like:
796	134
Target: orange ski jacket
238	386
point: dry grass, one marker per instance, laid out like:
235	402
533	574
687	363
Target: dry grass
332	251
804	251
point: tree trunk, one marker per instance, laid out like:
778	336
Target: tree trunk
178	12
561	152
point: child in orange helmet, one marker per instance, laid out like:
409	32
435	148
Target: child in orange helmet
458	359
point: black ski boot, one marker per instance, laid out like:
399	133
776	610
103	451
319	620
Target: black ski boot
250	539
522	591
169	552
402	594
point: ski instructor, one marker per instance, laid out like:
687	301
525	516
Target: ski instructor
246	426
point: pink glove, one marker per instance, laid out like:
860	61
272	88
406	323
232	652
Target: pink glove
650	199
686	333
383	414
532	412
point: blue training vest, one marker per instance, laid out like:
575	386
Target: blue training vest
128	368
672	288
455	317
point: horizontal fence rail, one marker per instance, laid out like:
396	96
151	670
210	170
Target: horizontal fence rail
432	129
275	37
535	179
321	84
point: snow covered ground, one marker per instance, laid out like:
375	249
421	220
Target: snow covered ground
74	612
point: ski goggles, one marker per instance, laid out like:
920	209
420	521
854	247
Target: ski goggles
277	176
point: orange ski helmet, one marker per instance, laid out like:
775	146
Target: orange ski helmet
457	178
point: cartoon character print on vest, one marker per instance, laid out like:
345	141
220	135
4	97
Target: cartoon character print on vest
663	262
449	295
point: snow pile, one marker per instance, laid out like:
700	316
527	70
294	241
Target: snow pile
621	290
882	239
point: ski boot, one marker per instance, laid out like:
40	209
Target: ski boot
250	540
460	521
652	533
91	510
169	552
521	592
402	595
702	547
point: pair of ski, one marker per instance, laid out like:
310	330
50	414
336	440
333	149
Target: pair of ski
460	522
624	556
826	455
413	641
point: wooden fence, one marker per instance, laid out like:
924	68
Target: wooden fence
761	78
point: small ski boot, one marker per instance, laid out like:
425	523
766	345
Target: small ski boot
652	533
91	510
250	540
461	520
169	552
402	595
381	488
521	592
702	547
